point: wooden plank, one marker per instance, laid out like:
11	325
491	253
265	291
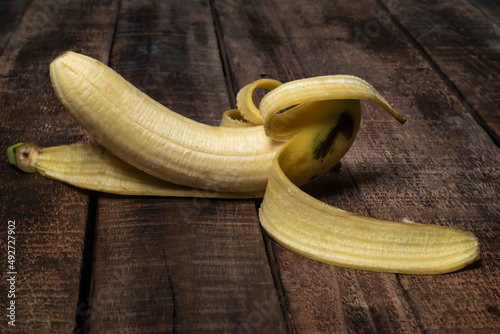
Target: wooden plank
464	44
11	13
439	168
178	265
320	298
490	8
175	265
51	218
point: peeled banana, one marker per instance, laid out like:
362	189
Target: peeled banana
300	130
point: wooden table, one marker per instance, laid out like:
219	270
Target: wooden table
100	263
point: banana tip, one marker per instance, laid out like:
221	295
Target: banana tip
400	118
11	154
61	56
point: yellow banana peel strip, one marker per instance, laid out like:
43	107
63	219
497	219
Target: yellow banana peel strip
90	166
331	235
300	130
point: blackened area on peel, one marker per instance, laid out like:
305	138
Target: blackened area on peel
345	126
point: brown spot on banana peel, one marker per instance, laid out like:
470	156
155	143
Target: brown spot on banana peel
313	177
344	126
303	159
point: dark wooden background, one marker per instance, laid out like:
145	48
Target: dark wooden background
98	263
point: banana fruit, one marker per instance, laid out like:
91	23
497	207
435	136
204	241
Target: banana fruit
301	129
153	138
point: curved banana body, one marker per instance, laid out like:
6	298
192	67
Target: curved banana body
153	138
271	148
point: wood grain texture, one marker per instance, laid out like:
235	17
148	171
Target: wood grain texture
490	8
439	168
204	266
11	13
51	218
464	43
178	265
170	51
